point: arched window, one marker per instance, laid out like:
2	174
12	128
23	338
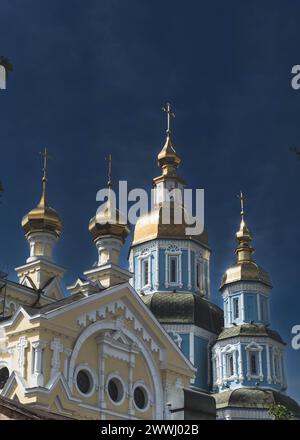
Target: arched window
230	370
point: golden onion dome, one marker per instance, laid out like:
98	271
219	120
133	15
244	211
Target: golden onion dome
43	218
155	225
245	271
245	268
168	159
109	222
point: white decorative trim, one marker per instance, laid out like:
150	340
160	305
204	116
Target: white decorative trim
173	251
269	375
225	352
107	293
37	362
243	414
156	277
251	287
116	325
67	353
254	347
276	355
188	328
57	348
21	347
243	316
192	347
176	338
240	364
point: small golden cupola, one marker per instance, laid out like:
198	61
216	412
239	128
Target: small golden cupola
109	230
168	159
42	225
108	221
245	268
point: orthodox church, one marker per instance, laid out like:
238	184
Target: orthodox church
143	343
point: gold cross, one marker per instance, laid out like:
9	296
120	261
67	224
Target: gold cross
242	201
170	114
45	165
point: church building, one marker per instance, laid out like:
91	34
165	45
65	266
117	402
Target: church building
145	342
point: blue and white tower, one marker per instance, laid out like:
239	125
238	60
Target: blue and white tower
171	269
248	357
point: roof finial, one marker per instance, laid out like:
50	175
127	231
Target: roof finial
109	182
242	201
244	238
43	201
170	114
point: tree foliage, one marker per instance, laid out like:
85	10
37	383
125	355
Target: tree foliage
280	412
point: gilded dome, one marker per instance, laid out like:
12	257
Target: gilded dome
42	218
245	271
152	225
108	222
168	159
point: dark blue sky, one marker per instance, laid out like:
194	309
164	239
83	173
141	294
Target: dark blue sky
90	77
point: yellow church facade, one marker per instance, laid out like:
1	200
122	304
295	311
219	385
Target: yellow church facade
93	356
97	353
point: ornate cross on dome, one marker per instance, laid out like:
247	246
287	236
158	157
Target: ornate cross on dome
43	201
45	165
170	114
242	201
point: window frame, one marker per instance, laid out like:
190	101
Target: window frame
176	259
236	308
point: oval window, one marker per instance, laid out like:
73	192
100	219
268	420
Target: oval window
115	389
140	397
84	381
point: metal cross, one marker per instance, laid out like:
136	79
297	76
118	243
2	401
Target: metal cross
242	201
170	114
45	166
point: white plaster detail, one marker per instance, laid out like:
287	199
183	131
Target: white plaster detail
57	348
21	348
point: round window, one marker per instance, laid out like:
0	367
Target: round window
4	375
115	389
84	381
140	398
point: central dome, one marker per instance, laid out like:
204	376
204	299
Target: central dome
154	225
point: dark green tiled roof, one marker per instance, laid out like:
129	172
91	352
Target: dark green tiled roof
249	330
255	398
185	308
